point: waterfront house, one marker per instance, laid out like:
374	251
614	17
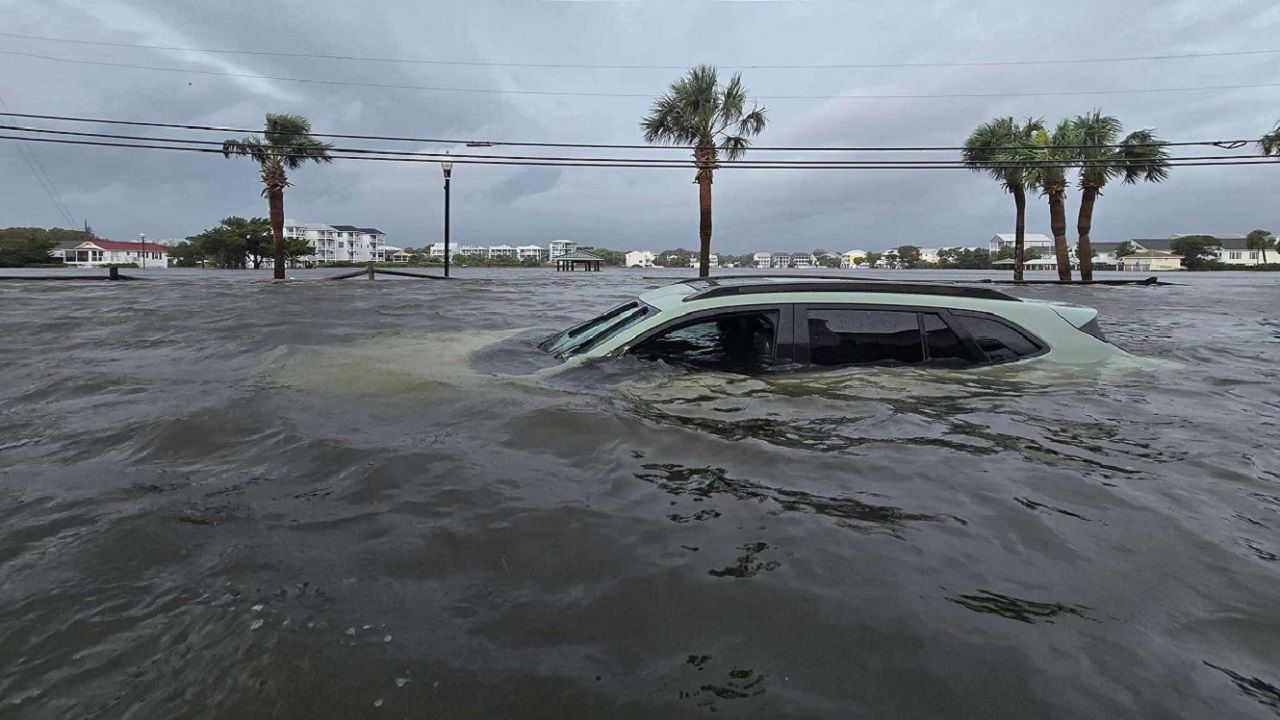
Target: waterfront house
1040	242
501	251
852	258
639	258
763	260
1049	262
400	256
1151	260
713	260
99	253
782	260
557	248
536	253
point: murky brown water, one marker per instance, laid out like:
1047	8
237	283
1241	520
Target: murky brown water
225	498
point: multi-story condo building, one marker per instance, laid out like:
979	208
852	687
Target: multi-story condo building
763	260
339	243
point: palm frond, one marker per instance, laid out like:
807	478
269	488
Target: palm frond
1143	157
1270	143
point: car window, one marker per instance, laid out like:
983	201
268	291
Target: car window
739	342
941	341
581	338
1000	341
858	337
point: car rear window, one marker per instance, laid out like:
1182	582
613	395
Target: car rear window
594	331
999	340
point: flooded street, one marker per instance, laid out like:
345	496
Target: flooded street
221	497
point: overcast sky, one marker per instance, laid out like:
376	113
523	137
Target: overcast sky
122	193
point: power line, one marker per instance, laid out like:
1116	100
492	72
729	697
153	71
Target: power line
683	165
578	93
584	66
42	177
439	156
1225	144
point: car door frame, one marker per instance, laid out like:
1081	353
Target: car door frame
800	332
784	334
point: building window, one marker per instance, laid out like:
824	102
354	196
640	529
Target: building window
1234	255
1253	255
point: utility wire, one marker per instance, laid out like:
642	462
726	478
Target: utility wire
1228	144
683	165
440	156
42	177
578	93
585	66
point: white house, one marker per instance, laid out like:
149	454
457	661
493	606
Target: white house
999	241
1232	249
640	259
763	260
502	251
536	253
560	247
713	260
802	260
97	253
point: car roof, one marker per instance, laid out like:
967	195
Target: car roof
754	289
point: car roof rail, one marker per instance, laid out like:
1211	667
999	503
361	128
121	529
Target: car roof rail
875	286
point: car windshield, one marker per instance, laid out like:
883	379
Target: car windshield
595	331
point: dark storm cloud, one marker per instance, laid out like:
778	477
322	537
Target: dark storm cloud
174	194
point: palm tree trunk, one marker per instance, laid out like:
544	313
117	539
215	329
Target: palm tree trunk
275	201
1084	223
704	224
1019	231
1058	224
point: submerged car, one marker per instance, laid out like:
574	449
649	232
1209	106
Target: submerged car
759	324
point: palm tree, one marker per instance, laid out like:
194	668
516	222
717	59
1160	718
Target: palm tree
1139	156
1270	143
286	145
1260	240
1053	153
697	110
1001	148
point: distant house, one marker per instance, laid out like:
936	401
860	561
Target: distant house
639	258
1149	260
536	253
999	241
400	256
1044	263
1232	249
852	258
713	260
763	260
98	252
557	248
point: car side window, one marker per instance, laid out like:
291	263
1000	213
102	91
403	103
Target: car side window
859	337
1000	341
738	342
942	342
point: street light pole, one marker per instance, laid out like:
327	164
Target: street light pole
142	249
447	168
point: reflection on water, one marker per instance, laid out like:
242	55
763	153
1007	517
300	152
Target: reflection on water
380	497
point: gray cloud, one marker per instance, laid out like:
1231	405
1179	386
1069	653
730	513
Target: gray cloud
174	194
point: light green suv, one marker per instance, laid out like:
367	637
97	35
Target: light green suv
755	324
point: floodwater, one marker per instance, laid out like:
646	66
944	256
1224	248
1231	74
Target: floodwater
221	497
